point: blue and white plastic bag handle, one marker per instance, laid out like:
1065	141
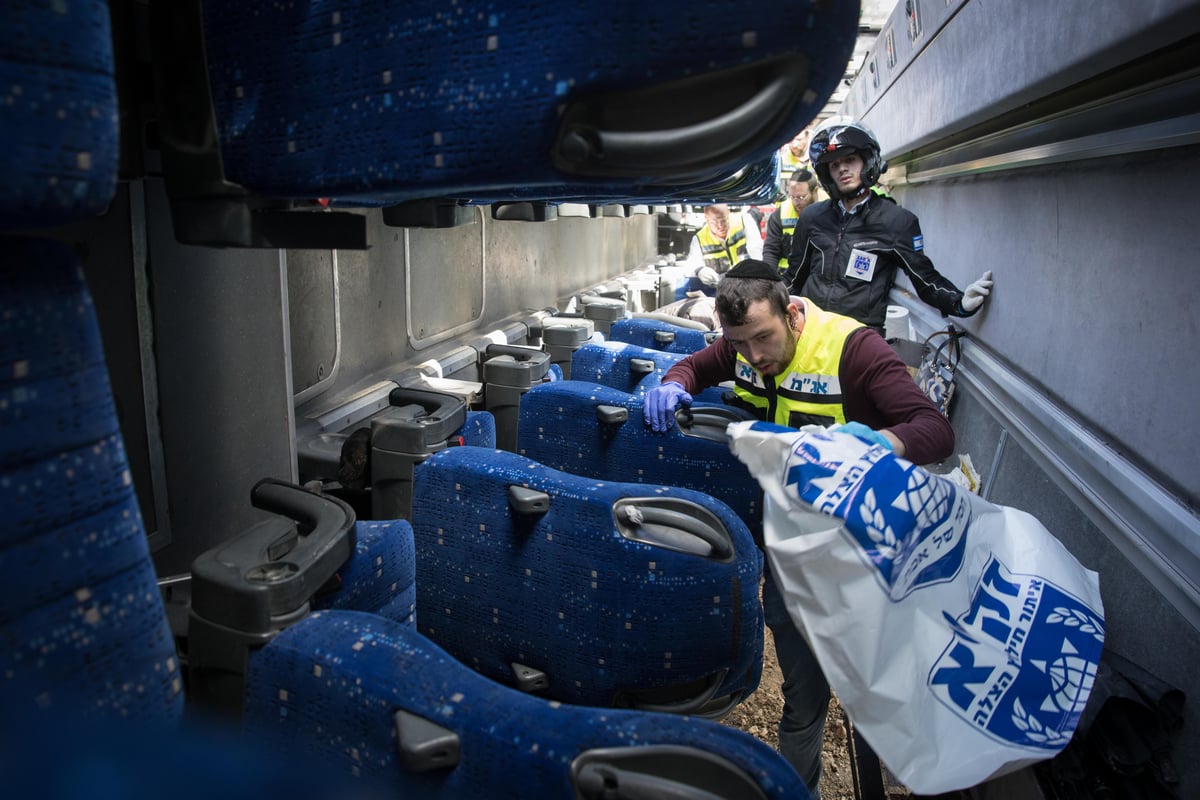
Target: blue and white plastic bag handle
961	637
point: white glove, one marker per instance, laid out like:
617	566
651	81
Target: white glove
973	296
708	276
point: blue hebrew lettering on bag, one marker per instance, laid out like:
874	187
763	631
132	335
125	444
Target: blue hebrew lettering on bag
909	525
1021	660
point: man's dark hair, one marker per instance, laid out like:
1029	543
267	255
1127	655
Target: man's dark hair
735	295
803	176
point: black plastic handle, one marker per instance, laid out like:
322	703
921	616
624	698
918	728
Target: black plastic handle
707	422
438	415
688	705
273	569
658	772
674	524
518	351
656	131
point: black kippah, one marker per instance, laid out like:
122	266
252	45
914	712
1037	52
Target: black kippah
750	268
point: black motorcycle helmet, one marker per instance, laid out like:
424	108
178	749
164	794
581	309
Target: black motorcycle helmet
840	136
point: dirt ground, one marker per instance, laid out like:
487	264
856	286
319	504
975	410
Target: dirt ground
759	716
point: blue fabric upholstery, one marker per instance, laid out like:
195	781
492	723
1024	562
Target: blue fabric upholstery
422	99
479	430
381	575
69	756
658	335
329	686
608	363
82	624
58	112
558	427
564	592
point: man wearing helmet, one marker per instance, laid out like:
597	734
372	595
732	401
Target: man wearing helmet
846	250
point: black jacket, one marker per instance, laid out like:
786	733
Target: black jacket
883	232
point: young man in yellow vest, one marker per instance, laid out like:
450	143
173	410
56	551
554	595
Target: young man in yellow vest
794	155
724	240
802	192
796	364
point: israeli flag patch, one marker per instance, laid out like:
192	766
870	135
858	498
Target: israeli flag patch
919	243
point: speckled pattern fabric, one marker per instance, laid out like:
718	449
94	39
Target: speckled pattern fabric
328	687
558	427
562	591
58	112
651	332
479	430
612	364
82	625
381	575
446	98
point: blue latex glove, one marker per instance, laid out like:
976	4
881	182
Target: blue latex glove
868	435
659	408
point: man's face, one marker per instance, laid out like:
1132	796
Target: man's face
799	144
846	173
800	194
718	223
765	339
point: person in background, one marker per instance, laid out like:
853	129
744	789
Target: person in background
724	240
802	192
847	250
794	156
795	363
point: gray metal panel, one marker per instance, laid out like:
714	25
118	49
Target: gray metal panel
112	249
444	287
224	382
312	281
1139	623
1094	298
526	265
995	55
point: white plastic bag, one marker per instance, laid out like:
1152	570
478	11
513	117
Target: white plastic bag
960	636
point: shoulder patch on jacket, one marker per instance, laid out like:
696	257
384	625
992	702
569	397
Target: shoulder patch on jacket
919	242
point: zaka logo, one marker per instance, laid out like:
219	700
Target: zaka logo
910	526
1022	660
861	265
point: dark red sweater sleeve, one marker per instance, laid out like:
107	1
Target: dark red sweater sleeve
704	368
878	391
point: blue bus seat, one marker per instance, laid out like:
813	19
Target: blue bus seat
374	102
599	432
82	620
82	623
591	592
630	368
660	335
381	575
410	720
58	120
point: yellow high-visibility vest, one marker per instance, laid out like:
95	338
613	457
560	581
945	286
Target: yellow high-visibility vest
788	217
719	255
809	391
